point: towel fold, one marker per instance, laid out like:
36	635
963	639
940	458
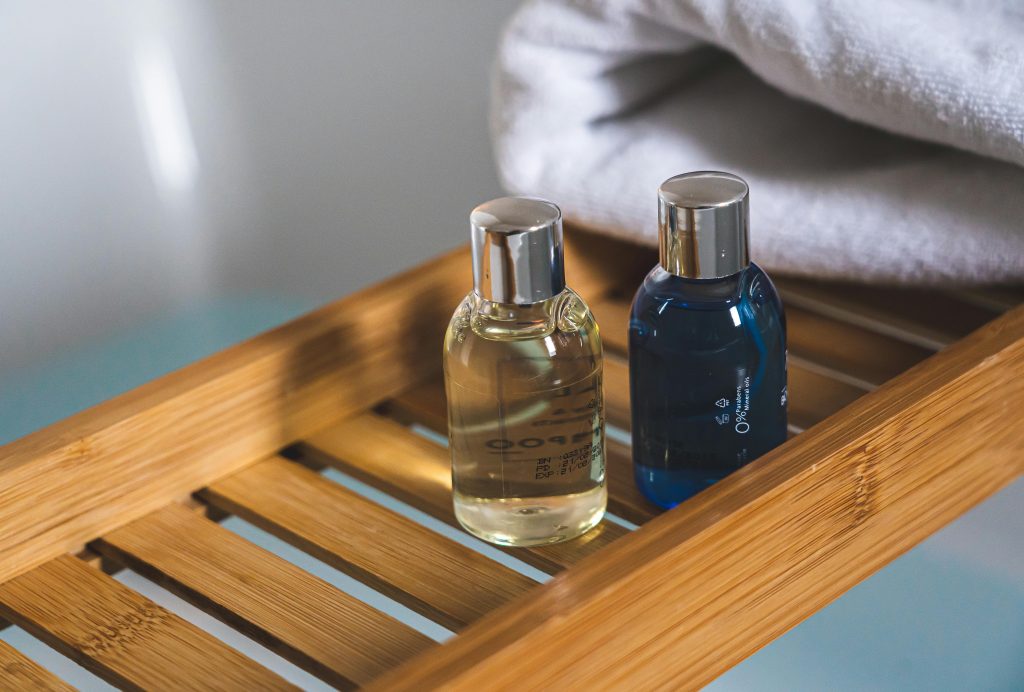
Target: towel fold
882	141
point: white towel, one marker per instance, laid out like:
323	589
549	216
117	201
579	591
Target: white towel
595	103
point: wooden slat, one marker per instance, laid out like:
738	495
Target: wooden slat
927	318
612	315
812	396
616	392
367	447
425	404
694	591
97	470
814	392
624	498
866	355
867	333
300	617
18	672
88	474
596	264
857	355
433	575
122	636
995	298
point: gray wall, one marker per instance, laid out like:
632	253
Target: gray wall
156	154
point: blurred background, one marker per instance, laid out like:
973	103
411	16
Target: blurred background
165	154
177	175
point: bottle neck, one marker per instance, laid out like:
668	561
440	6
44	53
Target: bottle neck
492	319
711	293
684	262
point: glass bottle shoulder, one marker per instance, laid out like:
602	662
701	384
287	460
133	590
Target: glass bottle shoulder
707	310
662	288
519	339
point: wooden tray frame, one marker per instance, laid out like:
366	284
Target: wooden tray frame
674	603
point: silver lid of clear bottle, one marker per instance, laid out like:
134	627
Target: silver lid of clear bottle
703	224
517	250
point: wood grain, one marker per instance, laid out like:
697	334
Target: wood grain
624	498
849	350
860	353
298	616
927	318
367	446
815	390
596	264
616	392
88	474
97	470
699	588
433	575
994	298
424	404
855	349
18	672
122	636
612	315
813	396
689	594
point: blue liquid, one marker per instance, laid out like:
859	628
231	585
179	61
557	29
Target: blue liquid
707	363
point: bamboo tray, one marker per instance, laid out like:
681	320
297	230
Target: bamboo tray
899	441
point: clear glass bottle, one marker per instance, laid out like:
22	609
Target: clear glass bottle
707	345
523	367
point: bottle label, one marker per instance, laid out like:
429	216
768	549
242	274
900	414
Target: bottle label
741	406
534	443
560	443
732	413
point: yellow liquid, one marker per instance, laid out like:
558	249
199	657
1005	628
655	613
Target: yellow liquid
526	422
523	521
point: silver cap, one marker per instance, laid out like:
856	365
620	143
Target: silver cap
517	250
703	224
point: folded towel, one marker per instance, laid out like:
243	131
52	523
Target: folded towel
882	141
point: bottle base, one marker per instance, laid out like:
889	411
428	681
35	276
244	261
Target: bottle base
669	488
527	521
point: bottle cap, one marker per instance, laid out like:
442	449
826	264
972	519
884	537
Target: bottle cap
703	224
517	250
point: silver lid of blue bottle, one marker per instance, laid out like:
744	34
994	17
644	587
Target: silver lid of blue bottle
517	250
704	224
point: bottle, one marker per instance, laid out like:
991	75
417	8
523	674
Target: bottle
523	367
707	344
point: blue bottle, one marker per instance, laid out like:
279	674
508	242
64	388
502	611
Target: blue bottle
707	344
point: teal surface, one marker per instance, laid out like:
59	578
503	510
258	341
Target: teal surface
35	397
925	622
942	617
